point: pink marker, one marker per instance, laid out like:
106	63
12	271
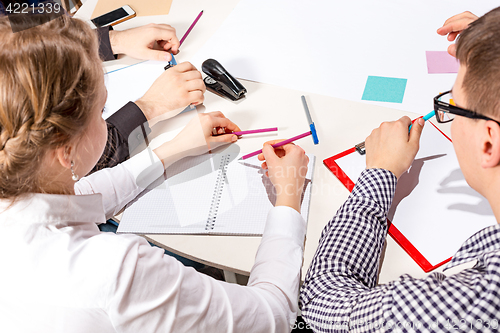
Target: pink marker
279	144
272	129
190	28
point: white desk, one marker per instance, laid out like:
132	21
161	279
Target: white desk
340	125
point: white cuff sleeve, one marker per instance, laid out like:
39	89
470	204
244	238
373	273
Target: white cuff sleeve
145	167
286	221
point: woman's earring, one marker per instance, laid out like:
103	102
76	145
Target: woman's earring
73	175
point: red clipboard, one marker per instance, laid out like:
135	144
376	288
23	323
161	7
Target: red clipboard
331	164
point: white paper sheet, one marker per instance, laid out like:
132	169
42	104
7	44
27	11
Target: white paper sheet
130	84
433	207
330	47
181	204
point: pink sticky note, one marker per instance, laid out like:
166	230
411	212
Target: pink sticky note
441	62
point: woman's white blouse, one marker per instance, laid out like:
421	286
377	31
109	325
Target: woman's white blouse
59	273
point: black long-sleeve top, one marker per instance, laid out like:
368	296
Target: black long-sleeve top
122	123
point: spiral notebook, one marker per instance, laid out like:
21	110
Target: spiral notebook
208	194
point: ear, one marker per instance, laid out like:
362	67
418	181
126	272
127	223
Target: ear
490	154
63	155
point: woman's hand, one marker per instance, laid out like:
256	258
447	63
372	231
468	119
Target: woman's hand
198	137
286	168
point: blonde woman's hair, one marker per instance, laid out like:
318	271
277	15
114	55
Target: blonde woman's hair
49	81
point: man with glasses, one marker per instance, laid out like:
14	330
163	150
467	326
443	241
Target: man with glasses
446	111
340	292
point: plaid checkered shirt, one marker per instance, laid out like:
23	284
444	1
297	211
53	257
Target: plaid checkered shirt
340	293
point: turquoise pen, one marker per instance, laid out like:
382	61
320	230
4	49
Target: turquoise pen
360	148
426	117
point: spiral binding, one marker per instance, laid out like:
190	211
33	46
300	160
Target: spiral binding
219	187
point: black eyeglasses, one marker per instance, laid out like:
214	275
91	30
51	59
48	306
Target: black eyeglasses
445	112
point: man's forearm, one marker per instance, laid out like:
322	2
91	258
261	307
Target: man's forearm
348	255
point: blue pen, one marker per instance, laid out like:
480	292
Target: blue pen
311	123
171	63
426	117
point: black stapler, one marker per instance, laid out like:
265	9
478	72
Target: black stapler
220	82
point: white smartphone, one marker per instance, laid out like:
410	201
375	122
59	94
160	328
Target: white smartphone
114	17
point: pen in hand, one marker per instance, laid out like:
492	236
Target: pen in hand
172	62
222	130
426	117
278	144
360	147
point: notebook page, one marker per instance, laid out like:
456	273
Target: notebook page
178	205
247	197
433	207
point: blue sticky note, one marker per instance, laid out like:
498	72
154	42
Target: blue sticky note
384	89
